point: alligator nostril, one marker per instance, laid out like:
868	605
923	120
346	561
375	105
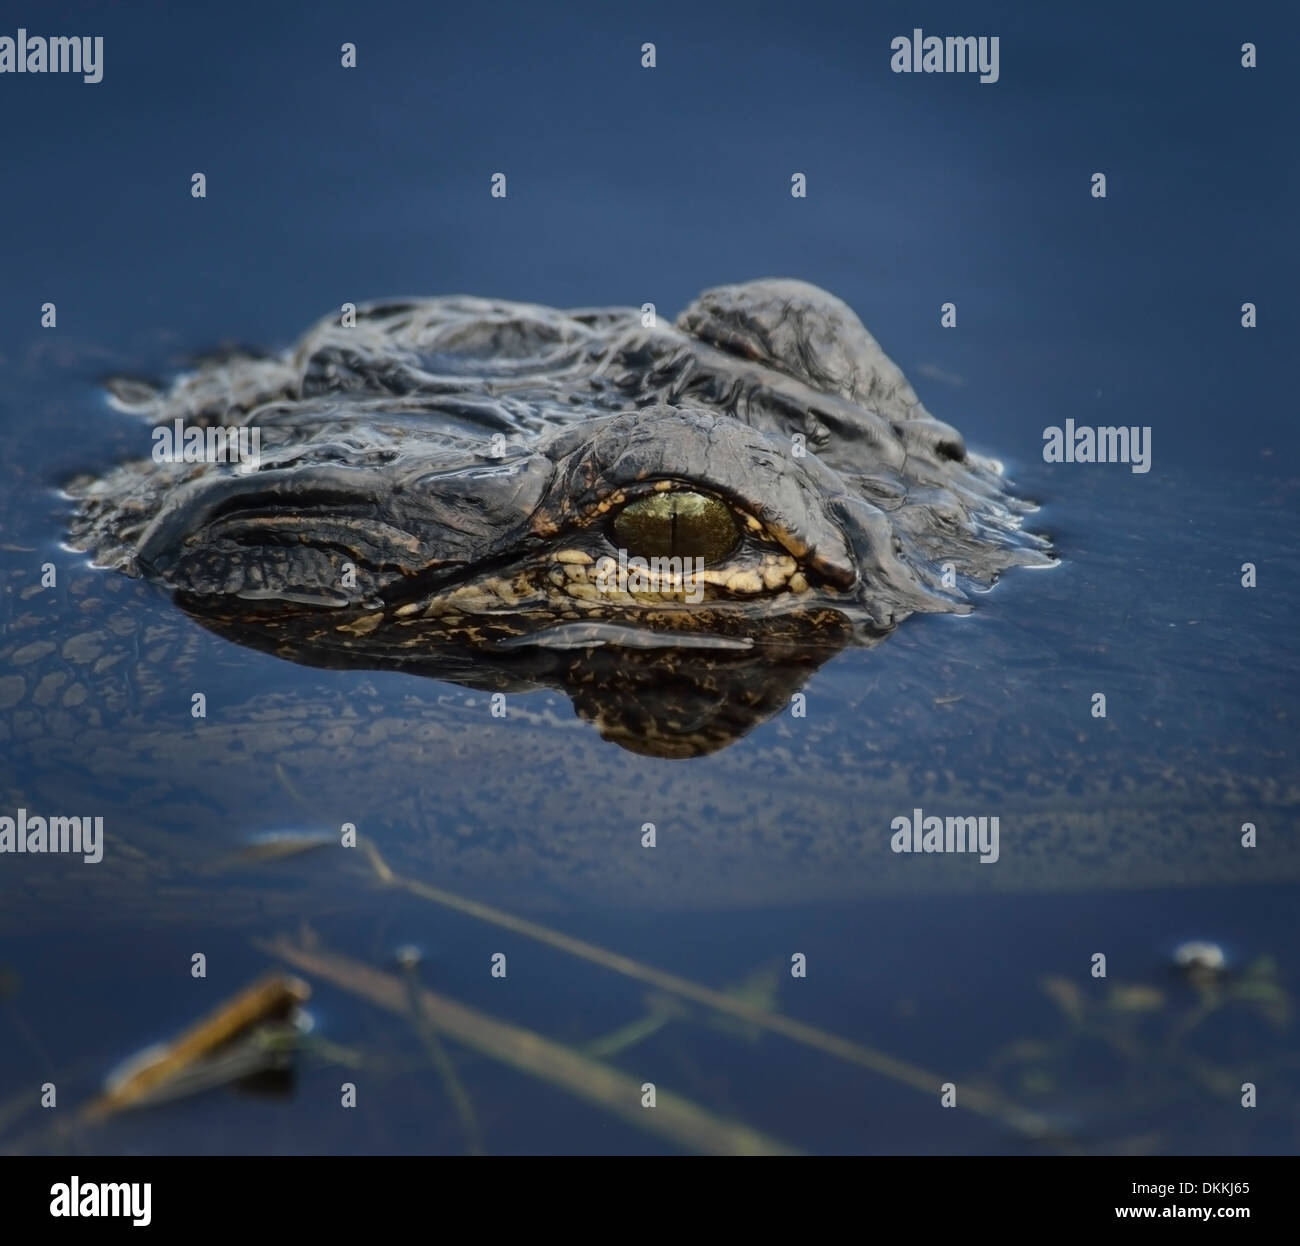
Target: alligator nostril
677	524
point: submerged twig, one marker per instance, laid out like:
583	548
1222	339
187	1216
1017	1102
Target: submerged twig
673	1117
271	998
975	1099
455	1088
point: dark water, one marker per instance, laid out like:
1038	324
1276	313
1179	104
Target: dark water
626	186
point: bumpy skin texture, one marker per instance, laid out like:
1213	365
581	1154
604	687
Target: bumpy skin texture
437	482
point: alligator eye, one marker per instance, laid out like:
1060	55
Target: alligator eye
677	523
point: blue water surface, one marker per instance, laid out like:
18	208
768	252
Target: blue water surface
629	185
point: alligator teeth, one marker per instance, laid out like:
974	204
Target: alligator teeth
744	582
364	625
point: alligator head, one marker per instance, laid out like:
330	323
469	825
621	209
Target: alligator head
675	524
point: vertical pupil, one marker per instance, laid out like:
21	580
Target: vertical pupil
676	524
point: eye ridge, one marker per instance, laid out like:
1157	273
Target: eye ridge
677	523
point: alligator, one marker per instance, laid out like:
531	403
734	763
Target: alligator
99	670
456	487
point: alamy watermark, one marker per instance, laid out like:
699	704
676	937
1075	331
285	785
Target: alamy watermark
127	1199
1084	444
919	833
30	833
951	54
634	574
59	54
175	443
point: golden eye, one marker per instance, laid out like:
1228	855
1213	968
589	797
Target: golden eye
678	524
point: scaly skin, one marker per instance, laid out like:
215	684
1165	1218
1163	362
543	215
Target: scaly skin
98	674
447	475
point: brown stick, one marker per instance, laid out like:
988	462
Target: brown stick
271	997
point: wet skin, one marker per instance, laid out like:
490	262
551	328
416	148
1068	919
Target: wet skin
445	486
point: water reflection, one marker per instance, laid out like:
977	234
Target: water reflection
651	690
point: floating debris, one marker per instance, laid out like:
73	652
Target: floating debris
268	846
1202	964
250	1033
1200	957
408	956
1135	997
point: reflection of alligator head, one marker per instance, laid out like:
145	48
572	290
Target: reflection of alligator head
676	525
